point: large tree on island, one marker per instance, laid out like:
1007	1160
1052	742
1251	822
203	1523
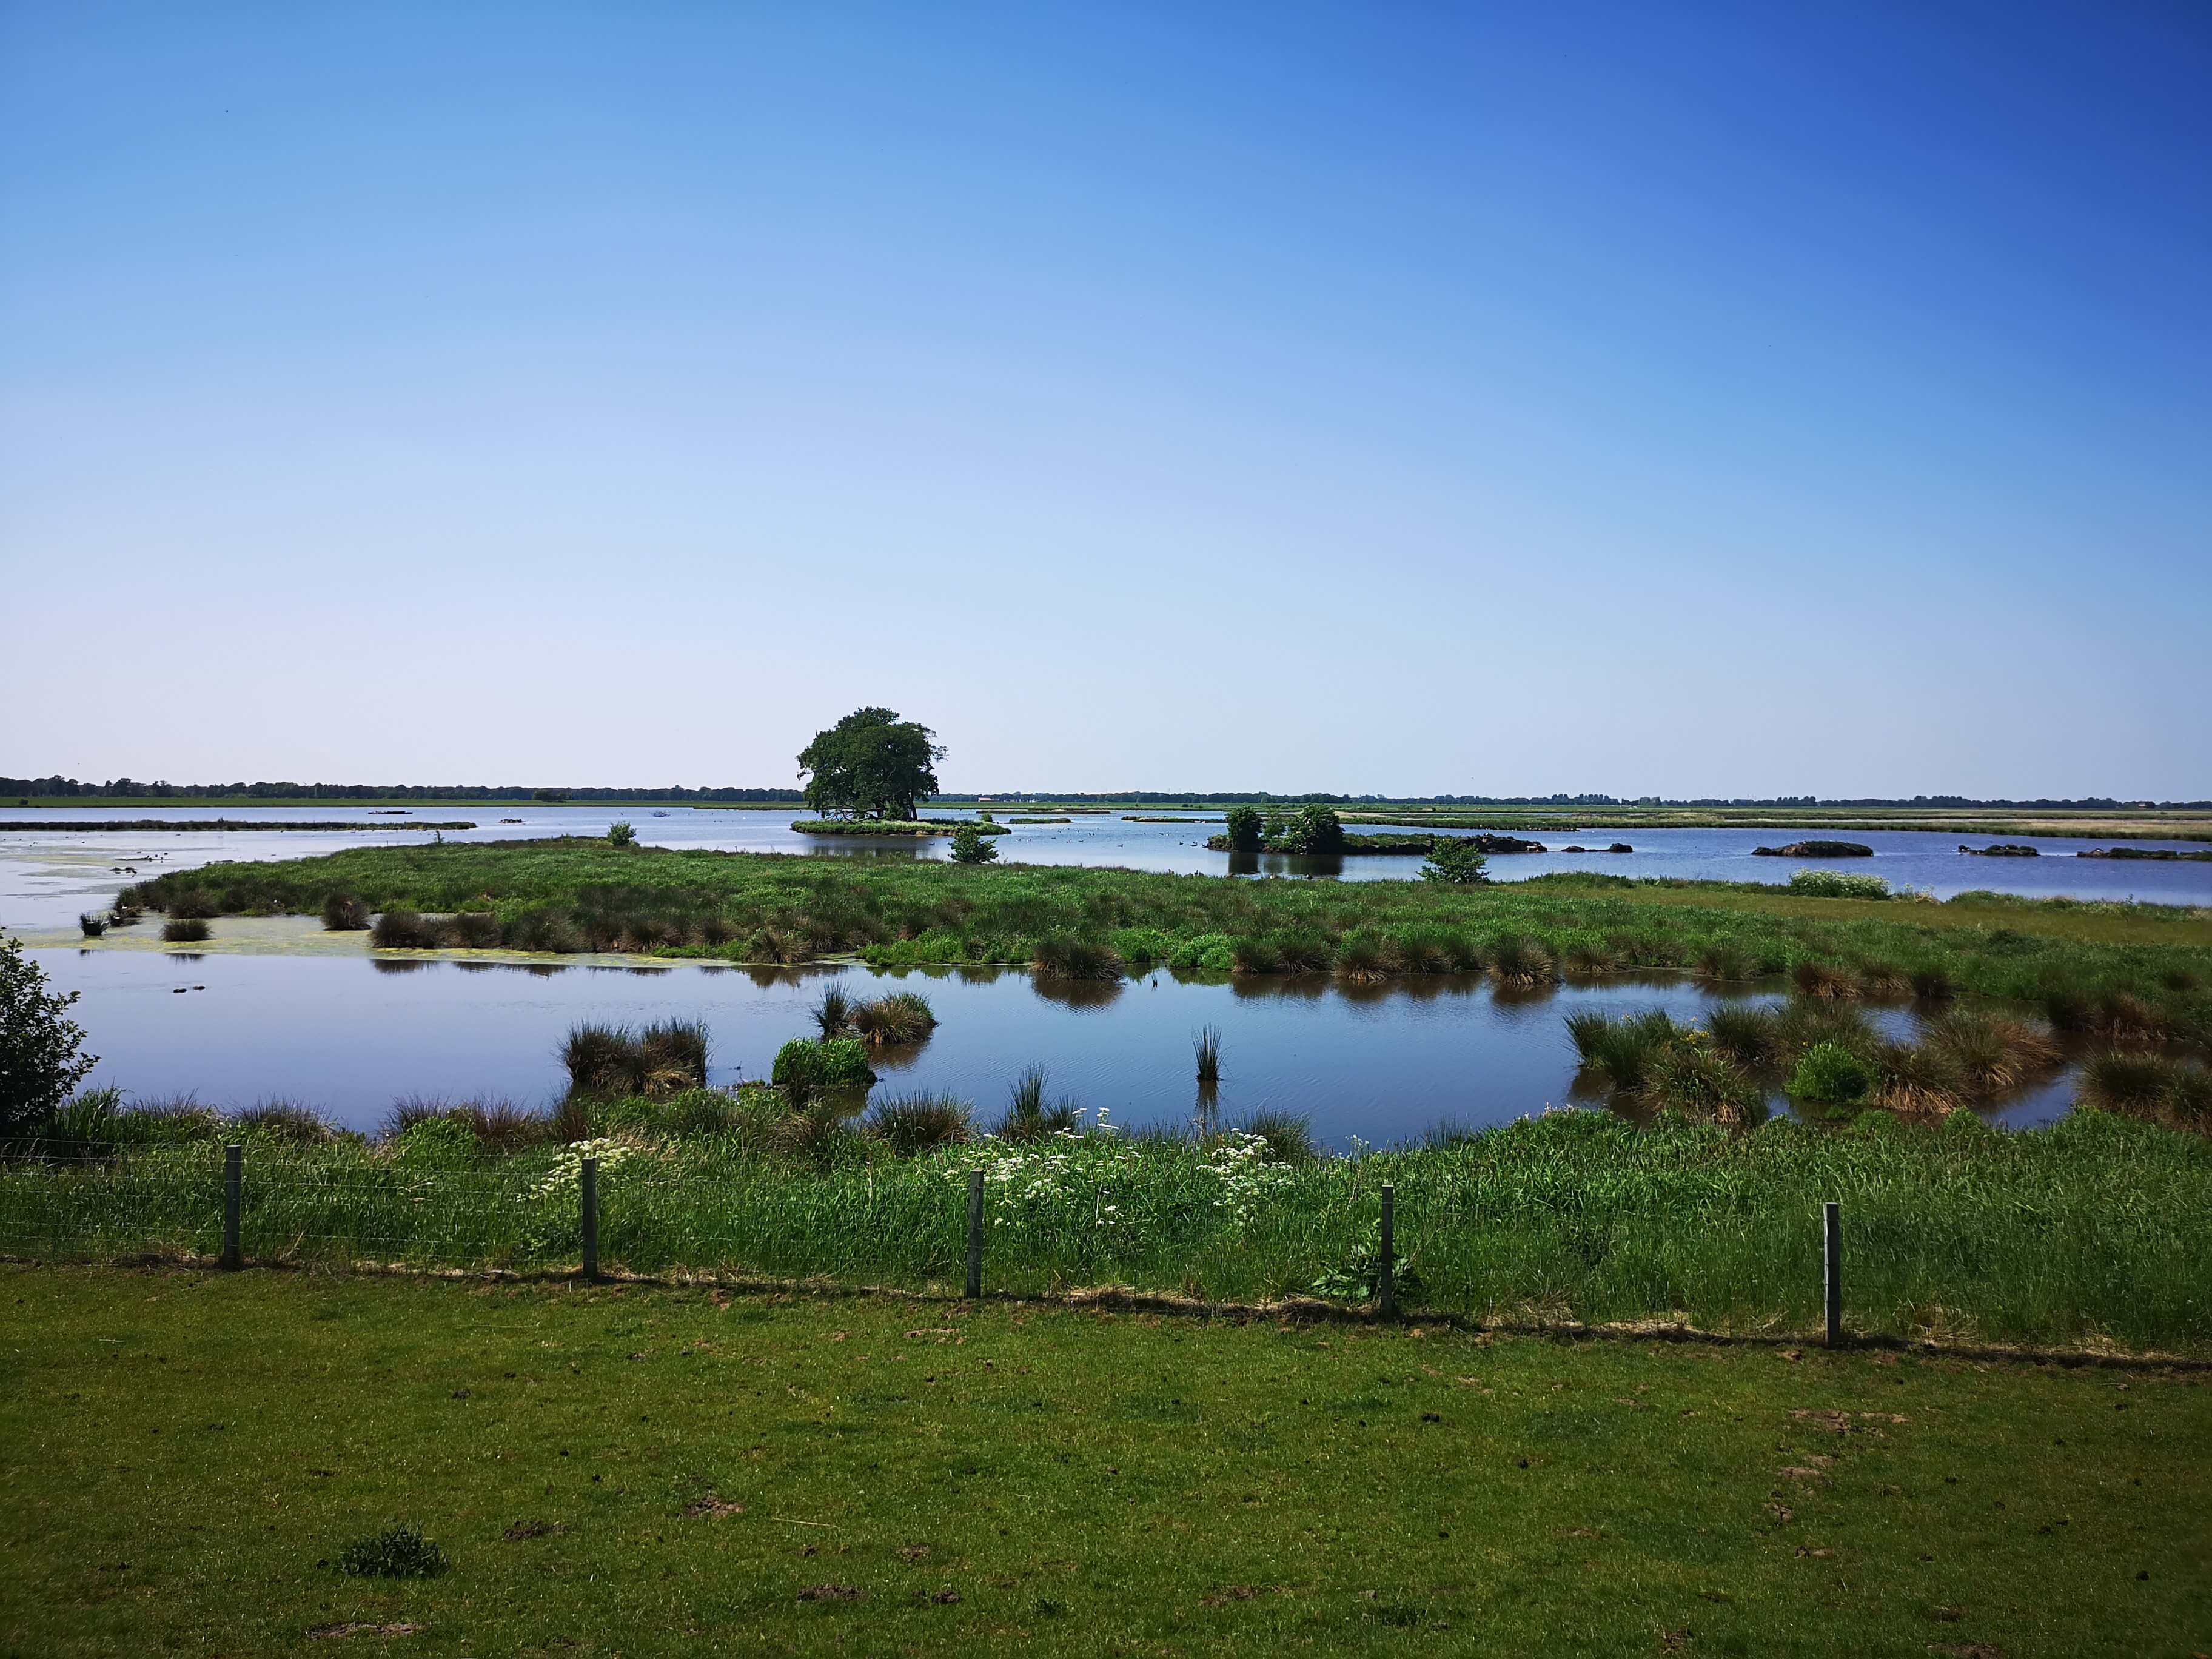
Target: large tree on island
872	764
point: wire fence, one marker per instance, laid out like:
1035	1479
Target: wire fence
1815	1237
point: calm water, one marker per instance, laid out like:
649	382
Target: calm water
349	1035
48	876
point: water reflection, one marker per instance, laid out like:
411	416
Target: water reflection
1080	994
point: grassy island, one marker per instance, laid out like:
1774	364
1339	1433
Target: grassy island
2146	968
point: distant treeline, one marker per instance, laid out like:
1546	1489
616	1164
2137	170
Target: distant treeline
132	788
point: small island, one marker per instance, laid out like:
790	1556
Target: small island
896	827
2161	853
1814	849
2003	849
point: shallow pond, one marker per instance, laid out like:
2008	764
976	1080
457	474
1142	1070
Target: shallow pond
48	876
349	1035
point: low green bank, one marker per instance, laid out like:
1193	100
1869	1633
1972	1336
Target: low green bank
2065	959
633	1470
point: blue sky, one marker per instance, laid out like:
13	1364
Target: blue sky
1675	399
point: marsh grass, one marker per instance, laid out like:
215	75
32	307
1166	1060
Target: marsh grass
898	1020
1205	1049
2093	1230
92	923
1030	1116
1289	1136
575	893
655	1059
1619	1051
914	1123
2157	1087
1747	1034
1691	1079
344	914
1065	957
1522	961
833	1011
1993	1053
185	930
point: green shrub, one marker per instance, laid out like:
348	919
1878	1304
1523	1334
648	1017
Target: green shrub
1456	861
807	1064
1831	1073
970	845
1247	828
620	834
1837	884
436	1143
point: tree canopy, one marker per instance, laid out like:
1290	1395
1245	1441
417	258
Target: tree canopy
872	764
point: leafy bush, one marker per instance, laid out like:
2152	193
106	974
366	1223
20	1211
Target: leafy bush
620	834
1316	829
1836	884
1456	860
1831	1073
395	1553
971	846
1246	827
807	1064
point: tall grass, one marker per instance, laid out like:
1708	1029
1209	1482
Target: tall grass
656	1059
898	1020
1206	1048
185	930
1029	1115
2095	1231
833	1011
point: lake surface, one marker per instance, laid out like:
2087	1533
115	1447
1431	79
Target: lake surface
349	1035
48	876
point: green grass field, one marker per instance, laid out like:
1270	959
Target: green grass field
642	1470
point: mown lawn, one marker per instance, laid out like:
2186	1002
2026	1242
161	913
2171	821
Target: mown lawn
638	1471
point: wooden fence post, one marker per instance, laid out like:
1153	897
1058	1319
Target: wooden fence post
1831	1270
1385	1272
587	1185
234	1194
974	1234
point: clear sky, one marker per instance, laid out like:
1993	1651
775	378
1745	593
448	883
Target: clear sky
1671	398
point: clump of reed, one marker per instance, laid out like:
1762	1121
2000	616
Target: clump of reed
1205	1049
93	922
2116	1016
833	1011
1062	956
1993	1053
1589	961
1619	1052
1883	980
185	930
125	911
2161	1088
1824	981
1932	984
1918	1079
1289	1136
343	913
1522	961
1803	1023
922	1122
1029	1115
1747	1034
1360	959
1690	1078
901	1019
1726	963
405	930
496	1126
282	1120
189	903
656	1059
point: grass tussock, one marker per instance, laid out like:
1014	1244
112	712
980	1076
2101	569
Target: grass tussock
656	1059
185	930
1030	1116
343	913
899	1020
1205	1049
2157	1087
914	1123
